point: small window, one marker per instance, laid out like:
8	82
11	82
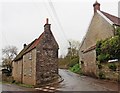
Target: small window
30	56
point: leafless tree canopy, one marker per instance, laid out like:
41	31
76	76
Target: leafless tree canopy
73	47
8	54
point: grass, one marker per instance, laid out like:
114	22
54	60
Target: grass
76	68
5	82
25	85
18	84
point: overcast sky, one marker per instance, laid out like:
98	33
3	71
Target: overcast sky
22	21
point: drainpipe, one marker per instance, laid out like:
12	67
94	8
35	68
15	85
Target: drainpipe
114	27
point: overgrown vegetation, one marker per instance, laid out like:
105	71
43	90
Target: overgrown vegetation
99	66
71	60
109	48
101	75
76	69
112	66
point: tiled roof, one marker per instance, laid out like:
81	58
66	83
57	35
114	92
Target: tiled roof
29	47
35	43
112	18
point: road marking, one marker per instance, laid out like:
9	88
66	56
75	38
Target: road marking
52	88
47	88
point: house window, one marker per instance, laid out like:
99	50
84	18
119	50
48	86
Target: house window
30	56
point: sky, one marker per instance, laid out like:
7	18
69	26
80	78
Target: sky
22	21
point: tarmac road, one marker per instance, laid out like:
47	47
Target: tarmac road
75	82
72	82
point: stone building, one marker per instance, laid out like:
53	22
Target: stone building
37	63
102	26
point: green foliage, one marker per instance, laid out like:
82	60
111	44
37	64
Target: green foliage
64	62
75	68
112	66
73	61
99	66
72	56
101	75
118	31
103	57
109	48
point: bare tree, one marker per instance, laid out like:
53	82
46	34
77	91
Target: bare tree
73	48
8	54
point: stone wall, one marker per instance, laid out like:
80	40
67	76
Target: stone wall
88	65
47	63
17	70
29	68
47	57
40	65
99	29
109	73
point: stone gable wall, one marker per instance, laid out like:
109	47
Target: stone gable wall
99	29
47	59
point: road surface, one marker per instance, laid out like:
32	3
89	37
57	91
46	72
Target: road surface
72	82
75	82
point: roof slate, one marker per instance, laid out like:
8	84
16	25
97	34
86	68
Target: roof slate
29	47
114	19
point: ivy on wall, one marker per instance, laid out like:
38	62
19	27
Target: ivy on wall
109	48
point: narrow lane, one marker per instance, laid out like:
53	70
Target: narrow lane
75	82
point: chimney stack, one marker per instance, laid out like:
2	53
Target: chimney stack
47	25
47	20
24	45
96	6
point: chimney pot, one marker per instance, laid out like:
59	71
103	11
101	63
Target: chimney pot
47	25
96	6
24	45
47	20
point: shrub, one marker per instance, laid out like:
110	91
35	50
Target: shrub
101	75
75	68
73	62
108	49
118	31
99	66
103	57
112	67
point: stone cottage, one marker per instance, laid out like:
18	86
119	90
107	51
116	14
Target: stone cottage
37	63
102	26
